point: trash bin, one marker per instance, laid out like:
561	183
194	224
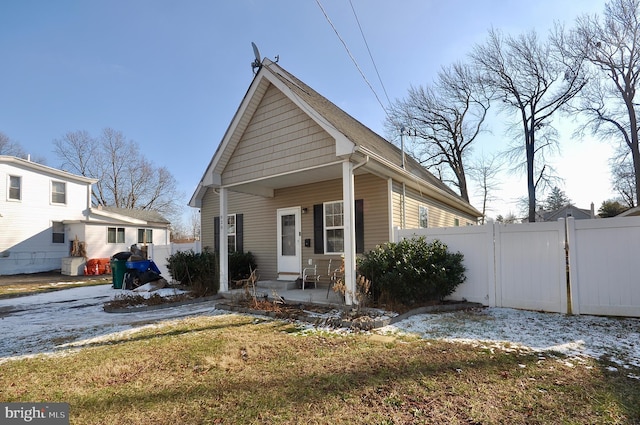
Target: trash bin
118	269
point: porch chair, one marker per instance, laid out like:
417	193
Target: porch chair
310	274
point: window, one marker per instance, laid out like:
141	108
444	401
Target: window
456	222
57	235
334	227
231	233
234	233
15	188
145	236
58	193
423	217
115	235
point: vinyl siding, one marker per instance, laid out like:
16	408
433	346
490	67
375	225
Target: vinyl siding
440	215
26	225
280	138
260	217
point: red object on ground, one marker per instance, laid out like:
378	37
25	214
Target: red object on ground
97	266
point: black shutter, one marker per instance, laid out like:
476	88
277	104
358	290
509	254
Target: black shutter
318	229
359	219
216	235
239	233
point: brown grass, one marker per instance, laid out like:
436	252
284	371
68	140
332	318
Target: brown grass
241	370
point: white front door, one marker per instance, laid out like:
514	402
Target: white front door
289	244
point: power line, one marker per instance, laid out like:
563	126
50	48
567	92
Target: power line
369	50
350	55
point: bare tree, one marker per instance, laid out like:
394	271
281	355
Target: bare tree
125	178
9	147
484	170
533	81
611	45
624	180
446	118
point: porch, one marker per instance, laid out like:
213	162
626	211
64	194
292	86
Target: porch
290	293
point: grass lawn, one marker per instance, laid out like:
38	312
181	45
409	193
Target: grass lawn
235	369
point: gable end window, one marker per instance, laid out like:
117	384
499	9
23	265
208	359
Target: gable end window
58	193
145	236
57	232
328	227
15	188
115	234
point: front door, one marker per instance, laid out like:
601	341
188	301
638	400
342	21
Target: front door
289	244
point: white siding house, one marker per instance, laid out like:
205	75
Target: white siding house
43	210
35	200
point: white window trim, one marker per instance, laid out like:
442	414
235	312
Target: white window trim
63	233
146	230
65	193
233	233
123	235
325	228
9	198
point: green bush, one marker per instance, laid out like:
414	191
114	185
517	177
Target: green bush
240	265
412	271
198	271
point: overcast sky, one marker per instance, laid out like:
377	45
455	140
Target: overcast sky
171	74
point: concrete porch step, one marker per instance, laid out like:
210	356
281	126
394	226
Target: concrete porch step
278	285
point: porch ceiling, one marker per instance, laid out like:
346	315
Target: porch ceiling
267	185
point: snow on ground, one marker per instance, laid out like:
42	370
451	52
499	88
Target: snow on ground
71	318
615	339
53	321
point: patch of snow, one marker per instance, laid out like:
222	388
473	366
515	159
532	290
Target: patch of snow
614	339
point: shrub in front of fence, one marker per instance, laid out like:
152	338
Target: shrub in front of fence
199	271
412	271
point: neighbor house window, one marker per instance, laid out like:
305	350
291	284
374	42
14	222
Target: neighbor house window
423	217
231	233
15	188
334	227
115	235
57	235
145	236
58	193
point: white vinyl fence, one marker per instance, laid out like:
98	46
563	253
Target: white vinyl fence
160	253
577	266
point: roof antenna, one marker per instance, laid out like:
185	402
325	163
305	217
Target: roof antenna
256	64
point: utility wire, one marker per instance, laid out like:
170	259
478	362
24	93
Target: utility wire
350	55
369	50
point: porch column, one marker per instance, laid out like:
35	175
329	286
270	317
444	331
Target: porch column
348	197
224	245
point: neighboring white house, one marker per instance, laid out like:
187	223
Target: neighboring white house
43	210
109	230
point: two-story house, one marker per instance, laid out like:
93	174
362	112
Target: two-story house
43	210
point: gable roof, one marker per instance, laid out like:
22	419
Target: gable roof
567	211
350	134
133	216
43	169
